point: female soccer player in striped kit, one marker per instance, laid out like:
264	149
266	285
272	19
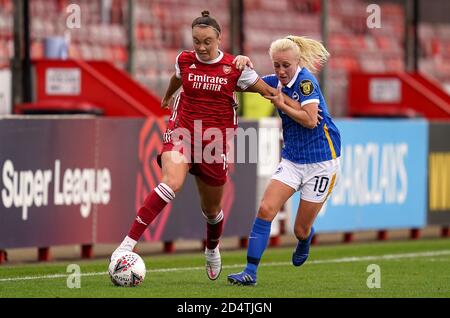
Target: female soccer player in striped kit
209	79
310	156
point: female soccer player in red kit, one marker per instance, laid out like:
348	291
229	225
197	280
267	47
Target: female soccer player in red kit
209	79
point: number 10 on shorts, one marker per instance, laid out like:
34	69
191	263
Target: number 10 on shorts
321	184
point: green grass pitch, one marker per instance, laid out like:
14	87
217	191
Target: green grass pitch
407	269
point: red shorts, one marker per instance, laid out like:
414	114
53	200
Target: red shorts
213	173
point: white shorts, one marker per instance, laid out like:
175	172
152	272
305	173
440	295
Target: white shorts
315	181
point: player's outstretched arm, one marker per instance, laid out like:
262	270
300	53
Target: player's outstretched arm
308	116
174	84
260	86
265	90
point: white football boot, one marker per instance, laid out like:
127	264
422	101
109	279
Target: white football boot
127	245
213	263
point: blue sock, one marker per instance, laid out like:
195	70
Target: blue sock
257	243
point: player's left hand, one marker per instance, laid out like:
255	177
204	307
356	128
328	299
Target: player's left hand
165	103
241	61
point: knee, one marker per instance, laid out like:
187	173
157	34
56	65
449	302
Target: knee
267	211
211	212
302	232
173	183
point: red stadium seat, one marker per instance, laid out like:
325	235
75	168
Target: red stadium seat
37	50
120	54
74	51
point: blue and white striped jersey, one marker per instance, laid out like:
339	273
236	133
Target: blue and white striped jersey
301	144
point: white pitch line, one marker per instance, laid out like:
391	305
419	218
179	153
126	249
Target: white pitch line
325	261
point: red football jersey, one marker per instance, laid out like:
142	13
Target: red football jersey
208	90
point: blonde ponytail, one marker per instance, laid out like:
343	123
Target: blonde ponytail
311	53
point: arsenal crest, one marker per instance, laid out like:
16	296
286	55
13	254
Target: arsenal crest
227	69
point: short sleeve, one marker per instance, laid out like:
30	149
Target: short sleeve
248	78
308	92
270	80
177	67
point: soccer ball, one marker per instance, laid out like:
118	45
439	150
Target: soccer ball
128	269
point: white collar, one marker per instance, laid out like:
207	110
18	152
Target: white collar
299	69
217	59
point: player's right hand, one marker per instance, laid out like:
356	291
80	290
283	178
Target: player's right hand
319	117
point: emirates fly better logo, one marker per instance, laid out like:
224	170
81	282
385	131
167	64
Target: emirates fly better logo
205	82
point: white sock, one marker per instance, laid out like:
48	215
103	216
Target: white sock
216	220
